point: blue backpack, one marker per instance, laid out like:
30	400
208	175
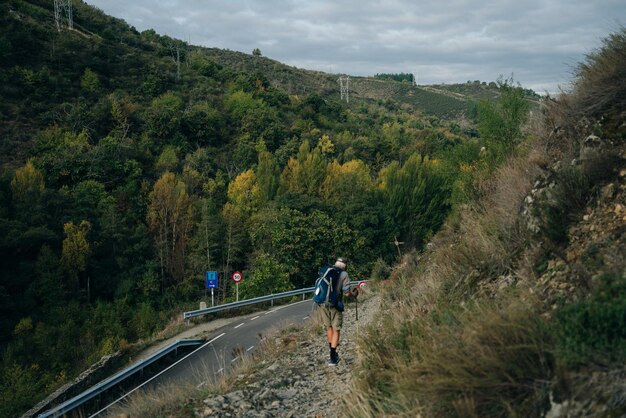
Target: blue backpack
325	293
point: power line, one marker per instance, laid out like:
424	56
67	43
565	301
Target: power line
344	83
62	11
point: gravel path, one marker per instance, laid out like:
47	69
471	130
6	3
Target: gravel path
298	382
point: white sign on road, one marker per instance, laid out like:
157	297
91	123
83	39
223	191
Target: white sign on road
237	277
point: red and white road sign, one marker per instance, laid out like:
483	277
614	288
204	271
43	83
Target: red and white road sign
237	277
362	284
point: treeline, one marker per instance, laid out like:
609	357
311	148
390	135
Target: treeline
396	77
128	180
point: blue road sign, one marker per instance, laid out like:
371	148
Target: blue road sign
211	279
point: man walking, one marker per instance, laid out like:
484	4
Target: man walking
333	315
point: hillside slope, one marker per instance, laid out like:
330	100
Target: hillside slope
453	101
519	305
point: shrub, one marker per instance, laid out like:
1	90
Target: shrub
594	330
381	270
500	124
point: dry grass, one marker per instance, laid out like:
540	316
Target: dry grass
488	358
487	361
600	89
151	403
179	400
481	241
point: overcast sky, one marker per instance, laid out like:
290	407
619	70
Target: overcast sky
539	42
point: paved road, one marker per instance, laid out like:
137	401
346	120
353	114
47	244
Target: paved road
225	346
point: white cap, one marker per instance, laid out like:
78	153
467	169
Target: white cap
341	263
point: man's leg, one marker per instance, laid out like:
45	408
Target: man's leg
333	337
332	334
334	342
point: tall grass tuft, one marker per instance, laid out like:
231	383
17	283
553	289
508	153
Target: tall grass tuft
490	360
487	361
600	90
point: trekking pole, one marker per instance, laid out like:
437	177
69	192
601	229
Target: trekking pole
356	301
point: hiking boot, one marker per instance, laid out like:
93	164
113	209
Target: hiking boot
334	360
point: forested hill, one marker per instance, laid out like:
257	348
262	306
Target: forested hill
54	68
132	163
454	101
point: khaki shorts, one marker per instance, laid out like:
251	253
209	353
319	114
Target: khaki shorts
331	317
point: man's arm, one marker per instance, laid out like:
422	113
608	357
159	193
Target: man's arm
345	283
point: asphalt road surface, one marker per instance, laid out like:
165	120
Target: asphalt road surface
227	345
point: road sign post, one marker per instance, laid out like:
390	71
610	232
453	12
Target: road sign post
211	282
237	277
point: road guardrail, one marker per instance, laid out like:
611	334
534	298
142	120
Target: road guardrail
106	384
260	299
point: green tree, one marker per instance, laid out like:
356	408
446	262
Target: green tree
89	82
267	174
168	160
48	285
500	123
203	124
19	387
267	276
236	241
165	115
239	104
303	242
416	196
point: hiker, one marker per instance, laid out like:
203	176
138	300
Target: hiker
332	314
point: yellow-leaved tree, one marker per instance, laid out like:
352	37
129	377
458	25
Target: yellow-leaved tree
244	193
348	181
26	188
76	251
170	218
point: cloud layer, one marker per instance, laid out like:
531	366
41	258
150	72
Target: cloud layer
537	41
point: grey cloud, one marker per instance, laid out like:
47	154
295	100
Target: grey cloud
450	41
